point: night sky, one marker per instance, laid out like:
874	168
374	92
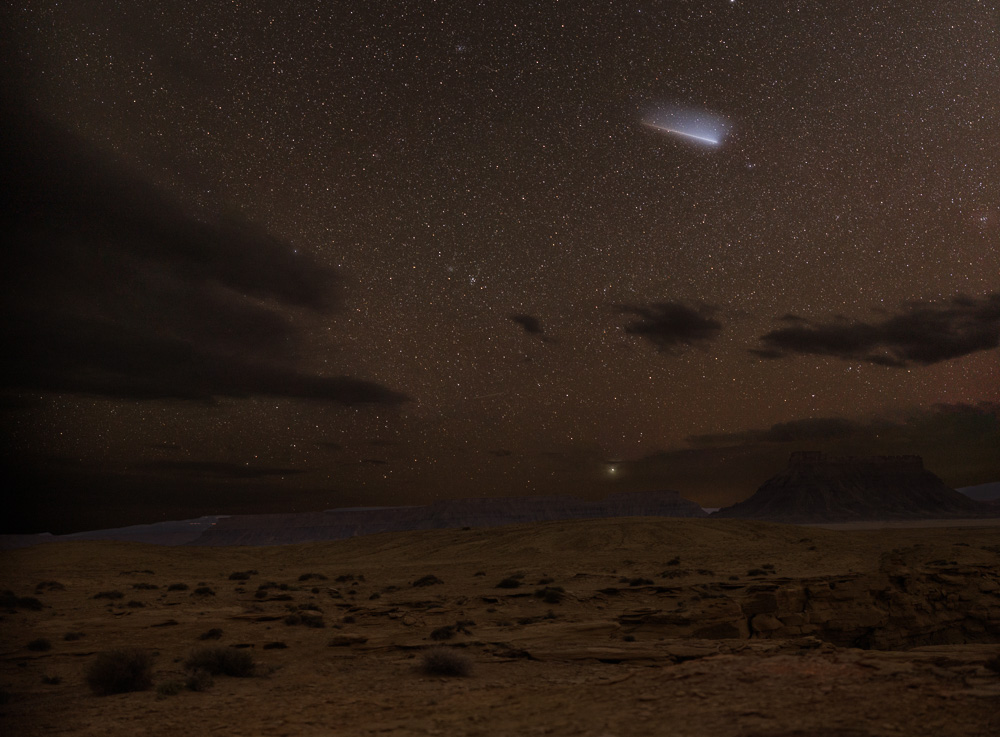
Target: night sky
282	256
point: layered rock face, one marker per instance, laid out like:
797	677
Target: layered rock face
909	602
819	488
282	529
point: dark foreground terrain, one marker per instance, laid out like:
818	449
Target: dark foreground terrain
588	627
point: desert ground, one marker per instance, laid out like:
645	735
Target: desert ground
601	627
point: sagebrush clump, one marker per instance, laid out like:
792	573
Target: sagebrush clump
222	661
445	661
120	671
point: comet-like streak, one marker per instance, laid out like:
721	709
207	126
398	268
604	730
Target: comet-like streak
682	133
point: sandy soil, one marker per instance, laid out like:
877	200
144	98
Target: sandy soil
579	666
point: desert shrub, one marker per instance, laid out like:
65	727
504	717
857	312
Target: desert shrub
349	619
551	594
445	661
275	646
70	636
428	580
221	661
993	664
198	680
309	606
9	601
5	696
203	591
545	580
639	582
120	671
705	572
674	562
511	582
311	576
629	638
51	680
170	688
239	576
30	603
768	566
375	596
273	585
305	619
213	634
479	573
177	587
143	586
40	645
135	604
756	572
109	595
49	586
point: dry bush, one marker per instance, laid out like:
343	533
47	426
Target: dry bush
177	587
222	661
109	595
551	594
120	671
445	661
9	601
428	580
213	634
40	645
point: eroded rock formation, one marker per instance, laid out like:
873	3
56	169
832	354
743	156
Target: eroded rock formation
820	488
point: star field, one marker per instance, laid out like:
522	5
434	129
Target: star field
525	280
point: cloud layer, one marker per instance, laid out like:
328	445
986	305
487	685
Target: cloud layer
921	333
110	287
671	326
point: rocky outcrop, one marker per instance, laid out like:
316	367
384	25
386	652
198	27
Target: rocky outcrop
819	488
337	524
906	604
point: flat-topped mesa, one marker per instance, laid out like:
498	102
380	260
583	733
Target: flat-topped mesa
817	457
820	488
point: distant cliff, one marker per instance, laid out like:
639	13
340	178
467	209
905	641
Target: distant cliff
337	524
820	488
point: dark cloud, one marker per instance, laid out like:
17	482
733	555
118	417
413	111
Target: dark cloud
530	323
921	333
672	325
112	288
810	429
215	469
